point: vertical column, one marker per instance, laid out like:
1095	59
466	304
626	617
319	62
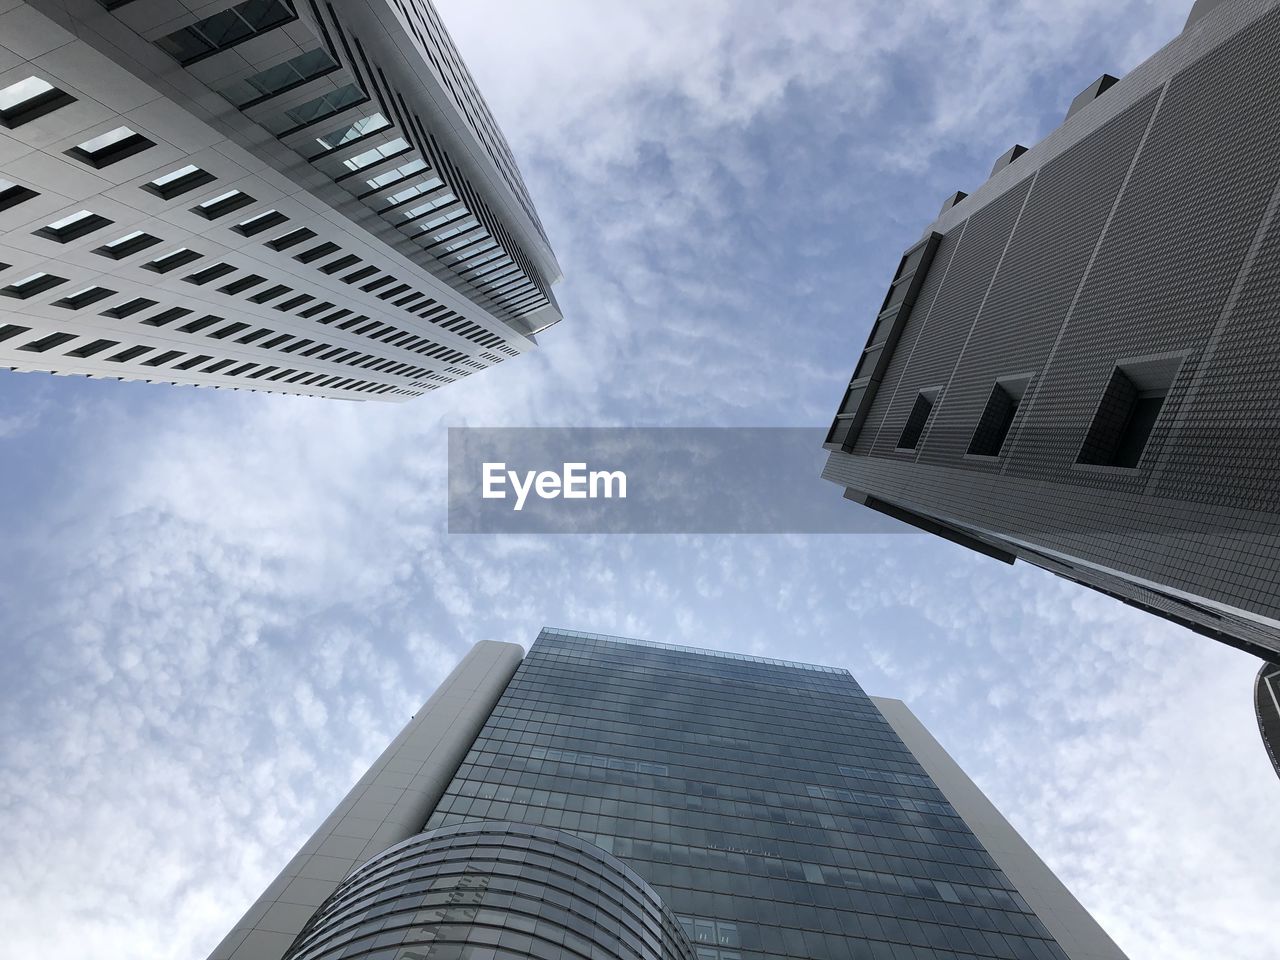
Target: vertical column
390	803
1076	931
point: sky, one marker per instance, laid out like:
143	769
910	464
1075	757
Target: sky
217	608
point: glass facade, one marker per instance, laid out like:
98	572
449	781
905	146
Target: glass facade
770	805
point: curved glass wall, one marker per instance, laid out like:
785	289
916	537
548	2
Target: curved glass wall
1266	702
488	890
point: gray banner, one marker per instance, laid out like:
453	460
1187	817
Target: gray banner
648	480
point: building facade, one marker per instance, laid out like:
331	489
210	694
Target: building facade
609	798
1077	365
285	195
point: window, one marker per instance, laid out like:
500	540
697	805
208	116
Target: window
222	204
997	417
370	157
399	173
89	349
180	181
1130	405
171	261
916	420
209	274
166	316
195	326
323	106
240	284
47	343
290	239
124	356
29	100
110	147
193	362
256	224
353	131
333	266
166	357
32	285
278	79
83	298
127	245
129	309
12	194
225	29
73	227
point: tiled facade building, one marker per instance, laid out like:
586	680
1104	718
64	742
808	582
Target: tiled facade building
604	798
1077	365
286	195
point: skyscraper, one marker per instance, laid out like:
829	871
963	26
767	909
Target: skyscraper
1077	365
610	798
280	195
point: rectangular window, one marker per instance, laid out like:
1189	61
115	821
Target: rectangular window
909	439
83	298
195	326
133	353
225	29
283	76
47	343
223	204
127	245
90	349
279	290
290	239
193	362
369	157
243	283
32	285
294	302
333	266
228	330
326	105
180	181
209	274
172	261
256	224
1121	425
12	194
166	357
993	426
350	132
130	308
73	227
29	100
110	147
167	316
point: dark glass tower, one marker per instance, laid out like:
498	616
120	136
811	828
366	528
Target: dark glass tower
631	800
1077	365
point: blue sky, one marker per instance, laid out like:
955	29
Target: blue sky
217	608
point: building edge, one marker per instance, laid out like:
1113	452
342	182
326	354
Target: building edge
388	805
1076	931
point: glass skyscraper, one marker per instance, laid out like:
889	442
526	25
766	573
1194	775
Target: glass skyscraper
623	799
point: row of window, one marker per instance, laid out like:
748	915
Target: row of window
1118	433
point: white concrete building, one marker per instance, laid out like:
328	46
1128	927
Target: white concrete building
287	195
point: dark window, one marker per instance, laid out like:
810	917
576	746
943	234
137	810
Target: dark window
215	367
289	239
129	308
279	290
1123	422
110	147
11	194
166	316
208	274
229	330
195	326
172	261
29	100
225	29
180	181
32	285
919	416
127	245
241	284
193	362
360	274
133	353
279	78
256	335
165	357
294	302
340	264
222	204
263	221
89	349
993	426
73	227
47	343
83	298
